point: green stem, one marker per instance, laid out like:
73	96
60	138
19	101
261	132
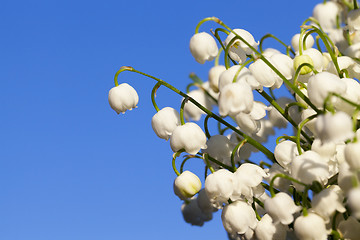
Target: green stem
175	155
153	95
356	4
271	189
206	127
206	158
277	39
256	213
249	139
215	19
239	145
216	62
301	125
183	164
182	120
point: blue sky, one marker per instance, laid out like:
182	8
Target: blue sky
70	167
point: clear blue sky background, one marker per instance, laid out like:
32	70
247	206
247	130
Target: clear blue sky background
70	167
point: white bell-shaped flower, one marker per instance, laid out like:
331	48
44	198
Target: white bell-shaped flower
266	229
234	98
328	201
238	217
192	213
204	202
325	149
191	111
352	93
352	155
164	122
123	97
334	127
285	152
220	148
219	187
239	49
268	52
189	137
350	228
353	202
309	167
353	51
309	42
327	14
249	176
203	47
353	19
263	73
346	177
214	76
310	227
186	185
347	63
242	74
249	122
281	208
321	84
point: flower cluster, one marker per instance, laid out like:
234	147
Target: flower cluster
307	187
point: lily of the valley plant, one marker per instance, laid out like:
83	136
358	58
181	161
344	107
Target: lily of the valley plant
308	186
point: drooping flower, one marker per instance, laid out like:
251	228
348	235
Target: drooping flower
353	20
310	227
321	85
214	75
328	201
220	148
239	49
192	213
266	229
219	187
309	42
353	197
238	217
309	167
281	208
234	98
285	152
186	185
191	111
123	97
203	47
334	127
327	14
164	122
189	137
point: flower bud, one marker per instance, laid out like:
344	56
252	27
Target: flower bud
326	14
164	122
301	59
203	47
123	97
186	185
